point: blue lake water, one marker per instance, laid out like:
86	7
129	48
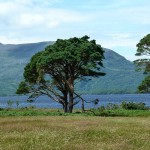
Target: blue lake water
45	102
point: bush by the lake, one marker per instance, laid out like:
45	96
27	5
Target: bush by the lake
134	106
123	109
112	106
1	108
125	105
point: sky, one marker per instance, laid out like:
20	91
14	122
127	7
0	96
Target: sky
115	24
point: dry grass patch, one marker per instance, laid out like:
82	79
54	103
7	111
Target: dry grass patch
74	133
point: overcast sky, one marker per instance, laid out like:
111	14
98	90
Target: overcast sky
115	24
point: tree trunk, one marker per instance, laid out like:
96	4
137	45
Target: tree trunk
83	110
65	107
71	92
70	102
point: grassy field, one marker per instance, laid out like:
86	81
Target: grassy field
74	133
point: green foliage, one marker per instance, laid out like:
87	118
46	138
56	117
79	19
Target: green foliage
53	72
111	106
101	108
78	55
134	106
144	87
23	88
31	73
118	79
102	111
32	111
125	105
1	109
124	113
143	48
123	109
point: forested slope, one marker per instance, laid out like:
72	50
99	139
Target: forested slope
121	76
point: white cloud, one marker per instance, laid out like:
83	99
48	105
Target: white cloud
109	43
121	36
27	20
111	40
7	7
49	18
123	11
122	43
136	14
31	3
113	24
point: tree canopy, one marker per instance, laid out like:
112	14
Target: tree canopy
54	71
144	87
143	49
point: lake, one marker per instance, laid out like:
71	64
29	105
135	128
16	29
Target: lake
45	102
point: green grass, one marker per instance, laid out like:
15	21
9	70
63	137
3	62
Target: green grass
77	112
124	113
74	133
39	112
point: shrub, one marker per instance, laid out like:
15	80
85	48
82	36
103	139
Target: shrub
135	106
1	109
101	109
111	106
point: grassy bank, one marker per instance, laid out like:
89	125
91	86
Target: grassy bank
74	133
77	112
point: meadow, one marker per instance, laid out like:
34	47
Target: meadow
74	133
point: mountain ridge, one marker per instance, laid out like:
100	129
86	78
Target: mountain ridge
120	72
